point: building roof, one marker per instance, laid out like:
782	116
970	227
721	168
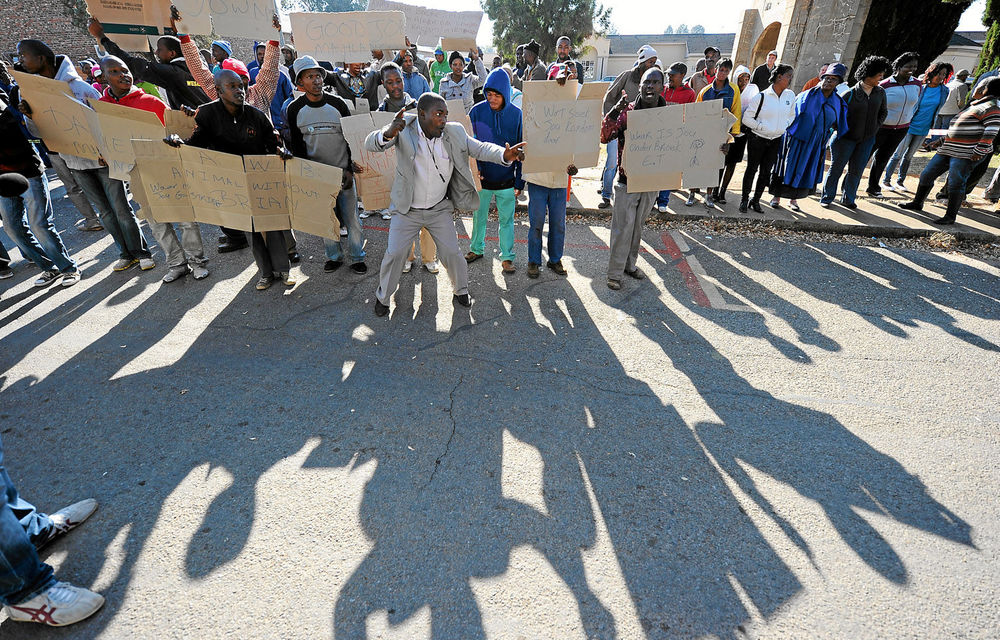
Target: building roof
696	42
960	40
979	37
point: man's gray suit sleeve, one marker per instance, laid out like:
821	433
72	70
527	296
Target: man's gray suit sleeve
373	142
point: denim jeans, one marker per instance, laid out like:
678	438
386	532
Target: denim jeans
116	213
347	214
505	211
73	190
28	219
22	574
903	155
853	155
554	200
189	250
610	169
958	175
663	198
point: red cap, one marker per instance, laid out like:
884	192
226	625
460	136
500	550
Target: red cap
235	65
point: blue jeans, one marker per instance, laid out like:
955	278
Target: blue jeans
347	214
28	219
852	154
22	574
903	156
539	199
115	211
958	175
663	198
610	169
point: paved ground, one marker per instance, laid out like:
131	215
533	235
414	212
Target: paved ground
767	438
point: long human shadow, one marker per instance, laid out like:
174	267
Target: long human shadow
821	458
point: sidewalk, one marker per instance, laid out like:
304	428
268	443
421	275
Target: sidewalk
877	217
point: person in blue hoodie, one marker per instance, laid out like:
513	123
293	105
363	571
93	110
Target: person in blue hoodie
498	121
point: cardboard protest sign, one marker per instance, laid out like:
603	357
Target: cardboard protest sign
456	113
267	186
129	22
117	125
247	18
312	194
217	184
677	145
456	29
60	118
158	181
178	122
348	36
562	124
375	182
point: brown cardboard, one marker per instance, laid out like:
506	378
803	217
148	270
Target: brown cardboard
268	191
674	146
375	182
217	183
118	126
312	194
427	26
348	36
178	122
246	18
561	124
196	18
159	180
456	113
61	119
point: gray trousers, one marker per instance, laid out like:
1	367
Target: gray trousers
73	190
188	251
627	219
404	229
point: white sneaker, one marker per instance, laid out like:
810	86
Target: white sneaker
47	278
176	273
59	605
343	232
365	214
70	278
407	266
199	272
386	215
67	519
662	208
146	264
432	266
124	263
900	186
888	187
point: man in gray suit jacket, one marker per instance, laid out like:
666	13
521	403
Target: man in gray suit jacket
433	179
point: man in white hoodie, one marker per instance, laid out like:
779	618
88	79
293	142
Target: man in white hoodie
107	193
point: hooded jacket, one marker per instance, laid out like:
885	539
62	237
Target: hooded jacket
182	88
17	155
137	99
498	127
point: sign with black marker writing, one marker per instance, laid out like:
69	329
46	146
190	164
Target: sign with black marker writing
456	29
562	124
60	118
348	36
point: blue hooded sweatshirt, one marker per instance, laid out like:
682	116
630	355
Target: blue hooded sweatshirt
498	127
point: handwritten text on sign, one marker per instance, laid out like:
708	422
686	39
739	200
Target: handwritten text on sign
247	18
562	124
61	120
348	36
426	26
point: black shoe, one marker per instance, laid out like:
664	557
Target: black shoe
912	206
755	205
359	267
557	267
875	194
944	220
465	300
851	205
381	310
294	257
605	203
332	265
721	199
232	245
744	205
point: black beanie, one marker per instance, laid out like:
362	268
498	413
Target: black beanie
12	184
455	55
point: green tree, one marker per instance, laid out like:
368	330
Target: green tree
989	58
682	29
518	21
324	5
698	29
896	26
669	30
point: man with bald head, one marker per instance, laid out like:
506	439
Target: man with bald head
631	209
231	126
564	56
433	179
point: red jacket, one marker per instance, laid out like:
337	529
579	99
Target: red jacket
682	95
137	99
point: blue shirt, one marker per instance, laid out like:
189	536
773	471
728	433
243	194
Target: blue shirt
726	94
415	85
930	104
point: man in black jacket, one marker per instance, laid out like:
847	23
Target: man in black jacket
762	74
170	72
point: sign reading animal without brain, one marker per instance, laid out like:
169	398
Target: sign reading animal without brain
347	36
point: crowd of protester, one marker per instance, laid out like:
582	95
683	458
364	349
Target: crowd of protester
291	105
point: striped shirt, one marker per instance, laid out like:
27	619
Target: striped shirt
972	132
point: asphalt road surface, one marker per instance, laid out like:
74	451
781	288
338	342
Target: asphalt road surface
766	438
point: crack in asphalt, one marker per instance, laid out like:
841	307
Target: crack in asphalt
451	436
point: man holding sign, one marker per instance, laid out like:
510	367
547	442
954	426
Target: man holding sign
433	178
630	209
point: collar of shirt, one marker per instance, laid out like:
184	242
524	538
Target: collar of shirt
433	168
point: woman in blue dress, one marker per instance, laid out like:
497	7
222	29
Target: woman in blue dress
818	112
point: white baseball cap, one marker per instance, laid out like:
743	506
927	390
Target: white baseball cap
645	52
